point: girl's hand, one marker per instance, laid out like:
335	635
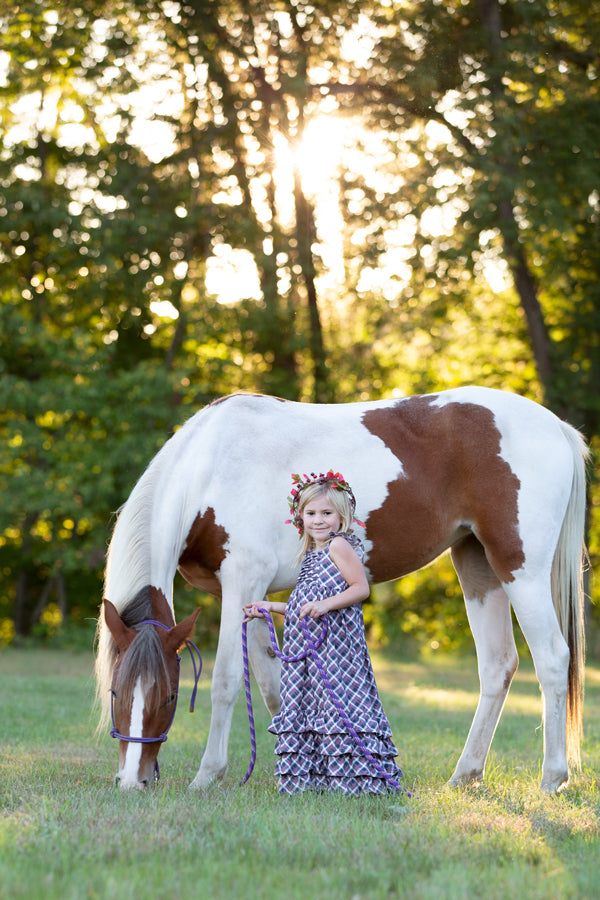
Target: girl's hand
314	609
252	611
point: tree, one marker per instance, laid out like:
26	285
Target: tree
105	251
481	96
146	145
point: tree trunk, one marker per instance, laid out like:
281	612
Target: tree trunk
305	235
20	615
491	19
526	288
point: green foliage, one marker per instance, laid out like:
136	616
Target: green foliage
145	146
426	606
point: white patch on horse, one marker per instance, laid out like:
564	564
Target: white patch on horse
128	775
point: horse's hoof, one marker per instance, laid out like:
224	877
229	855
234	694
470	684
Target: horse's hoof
205	780
201	784
470	780
554	785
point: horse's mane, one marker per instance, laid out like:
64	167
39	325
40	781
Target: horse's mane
128	558
138	608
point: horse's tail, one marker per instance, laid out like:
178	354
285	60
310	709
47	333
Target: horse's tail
567	589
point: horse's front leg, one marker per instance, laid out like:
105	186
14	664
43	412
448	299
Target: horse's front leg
228	671
488	610
225	687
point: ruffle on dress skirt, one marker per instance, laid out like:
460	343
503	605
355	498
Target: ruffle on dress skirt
333	762
326	721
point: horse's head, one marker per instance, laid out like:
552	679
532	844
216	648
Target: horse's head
144	691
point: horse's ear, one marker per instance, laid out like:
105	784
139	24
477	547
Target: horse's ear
122	635
179	634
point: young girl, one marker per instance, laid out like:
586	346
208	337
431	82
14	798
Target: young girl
314	748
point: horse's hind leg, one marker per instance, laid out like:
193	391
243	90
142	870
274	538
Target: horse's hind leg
488	610
532	603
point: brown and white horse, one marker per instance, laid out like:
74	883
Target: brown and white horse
495	477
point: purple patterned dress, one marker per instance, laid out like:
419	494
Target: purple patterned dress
315	750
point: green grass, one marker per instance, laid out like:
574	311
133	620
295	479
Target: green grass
66	833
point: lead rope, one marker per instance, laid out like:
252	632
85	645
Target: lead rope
312	649
283	658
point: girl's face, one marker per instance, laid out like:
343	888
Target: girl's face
320	519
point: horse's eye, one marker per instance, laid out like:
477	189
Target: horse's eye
171	699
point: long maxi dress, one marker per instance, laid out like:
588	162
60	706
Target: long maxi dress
314	749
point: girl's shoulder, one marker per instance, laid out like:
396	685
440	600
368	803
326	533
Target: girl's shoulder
352	539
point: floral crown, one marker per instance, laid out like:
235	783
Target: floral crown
300	482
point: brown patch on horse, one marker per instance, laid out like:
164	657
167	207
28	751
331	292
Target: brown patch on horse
204	552
453	481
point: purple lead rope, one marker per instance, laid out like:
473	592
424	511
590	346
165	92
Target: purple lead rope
312	648
282	657
248	704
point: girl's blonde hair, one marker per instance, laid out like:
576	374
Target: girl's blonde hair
339	500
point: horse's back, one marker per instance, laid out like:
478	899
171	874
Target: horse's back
424	469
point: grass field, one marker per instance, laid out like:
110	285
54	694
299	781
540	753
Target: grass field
66	833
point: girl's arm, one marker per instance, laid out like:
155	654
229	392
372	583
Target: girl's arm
349	564
251	611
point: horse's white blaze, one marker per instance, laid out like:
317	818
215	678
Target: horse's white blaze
128	776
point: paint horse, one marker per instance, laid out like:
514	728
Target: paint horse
496	478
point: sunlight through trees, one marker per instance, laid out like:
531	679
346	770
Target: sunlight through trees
324	201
